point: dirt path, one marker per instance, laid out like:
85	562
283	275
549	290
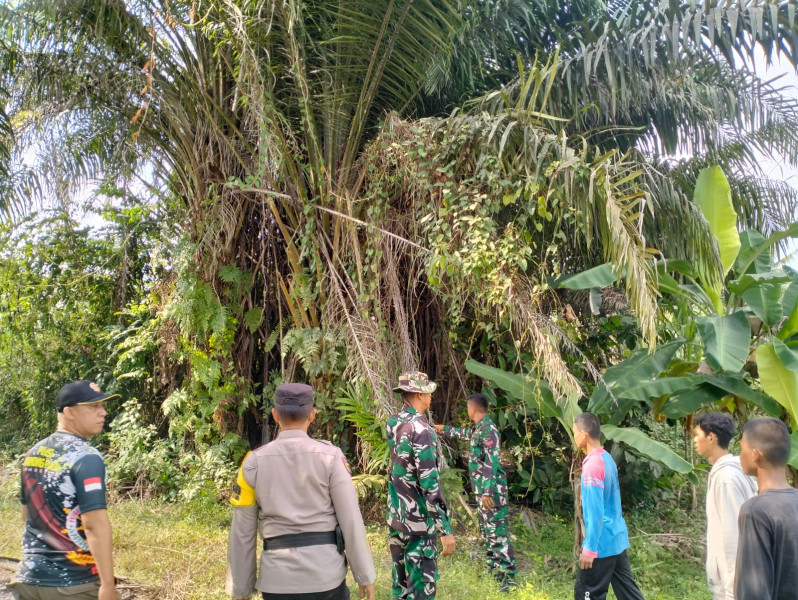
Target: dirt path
7	569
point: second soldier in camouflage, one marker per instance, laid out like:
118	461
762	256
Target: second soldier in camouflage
417	511
489	484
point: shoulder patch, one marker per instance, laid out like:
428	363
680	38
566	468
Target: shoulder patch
243	493
346	464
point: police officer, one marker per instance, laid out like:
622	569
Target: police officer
417	511
298	493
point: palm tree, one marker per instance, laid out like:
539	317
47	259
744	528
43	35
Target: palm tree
368	174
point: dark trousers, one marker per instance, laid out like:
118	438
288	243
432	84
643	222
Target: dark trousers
593	584
339	593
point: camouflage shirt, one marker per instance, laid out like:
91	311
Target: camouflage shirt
484	468
415	500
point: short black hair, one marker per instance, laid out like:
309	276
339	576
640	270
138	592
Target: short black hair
771	437
589	423
721	424
406	396
291	413
479	400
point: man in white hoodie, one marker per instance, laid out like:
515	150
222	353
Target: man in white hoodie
727	489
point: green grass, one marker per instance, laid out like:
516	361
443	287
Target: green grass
178	553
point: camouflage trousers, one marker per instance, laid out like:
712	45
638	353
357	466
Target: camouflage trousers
415	565
496	531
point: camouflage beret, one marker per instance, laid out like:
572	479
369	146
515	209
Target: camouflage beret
293	394
415	381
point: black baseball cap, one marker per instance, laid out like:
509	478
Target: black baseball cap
80	392
293	394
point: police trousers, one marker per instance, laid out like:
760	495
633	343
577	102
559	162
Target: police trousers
339	593
593	584
84	591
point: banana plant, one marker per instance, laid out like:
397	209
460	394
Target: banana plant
535	394
746	330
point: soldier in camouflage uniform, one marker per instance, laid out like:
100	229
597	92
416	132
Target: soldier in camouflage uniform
417	511
490	487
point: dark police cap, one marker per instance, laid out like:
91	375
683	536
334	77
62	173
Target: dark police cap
293	394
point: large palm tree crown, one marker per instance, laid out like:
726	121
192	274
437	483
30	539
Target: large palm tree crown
309	143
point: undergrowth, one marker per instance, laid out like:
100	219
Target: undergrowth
176	551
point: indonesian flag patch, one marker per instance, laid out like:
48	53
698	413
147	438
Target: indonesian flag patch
92	484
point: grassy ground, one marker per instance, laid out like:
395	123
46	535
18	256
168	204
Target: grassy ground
177	552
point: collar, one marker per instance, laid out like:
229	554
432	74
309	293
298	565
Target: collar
65	432
599	450
726	460
409	409
486	420
292	433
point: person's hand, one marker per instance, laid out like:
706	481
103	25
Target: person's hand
447	544
107	592
366	591
439	428
487	502
585	562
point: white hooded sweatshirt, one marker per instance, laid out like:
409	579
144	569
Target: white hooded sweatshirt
727	488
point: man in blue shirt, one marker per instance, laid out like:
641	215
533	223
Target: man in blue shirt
603	560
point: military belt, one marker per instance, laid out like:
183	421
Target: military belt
298	540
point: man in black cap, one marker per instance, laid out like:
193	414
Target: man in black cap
66	548
298	493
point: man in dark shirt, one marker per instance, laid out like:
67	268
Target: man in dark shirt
767	553
66	548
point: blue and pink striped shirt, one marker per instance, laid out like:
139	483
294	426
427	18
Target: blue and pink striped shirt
605	529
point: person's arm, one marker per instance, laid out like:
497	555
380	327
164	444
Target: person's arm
592	509
97	526
458	433
729	497
754	556
88	476
424	447
242	546
347	511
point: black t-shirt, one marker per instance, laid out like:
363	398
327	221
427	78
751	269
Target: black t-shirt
62	477
767	554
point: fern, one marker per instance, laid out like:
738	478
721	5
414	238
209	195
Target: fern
355	401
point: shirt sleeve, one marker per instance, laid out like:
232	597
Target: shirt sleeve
242	544
484	475
424	447
593	503
347	511
88	475
754	556
459	433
